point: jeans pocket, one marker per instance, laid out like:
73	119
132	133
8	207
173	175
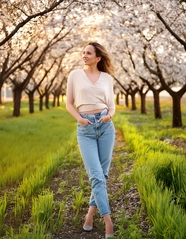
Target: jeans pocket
80	125
108	122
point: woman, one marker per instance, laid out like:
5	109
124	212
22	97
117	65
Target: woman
91	89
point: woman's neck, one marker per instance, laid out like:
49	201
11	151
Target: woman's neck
91	69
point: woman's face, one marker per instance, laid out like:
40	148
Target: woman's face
89	56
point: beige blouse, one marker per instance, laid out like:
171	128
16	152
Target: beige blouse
88	96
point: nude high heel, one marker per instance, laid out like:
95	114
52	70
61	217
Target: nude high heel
109	235
87	228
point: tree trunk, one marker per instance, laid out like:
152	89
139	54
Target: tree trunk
62	97
143	103
157	108
58	100
17	102
1	87
31	102
54	100
176	114
127	100
133	102
117	99
1	102
41	102
47	101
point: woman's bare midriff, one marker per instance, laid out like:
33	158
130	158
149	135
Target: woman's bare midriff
91	111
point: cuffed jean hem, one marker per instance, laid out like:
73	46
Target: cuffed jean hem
101	214
105	214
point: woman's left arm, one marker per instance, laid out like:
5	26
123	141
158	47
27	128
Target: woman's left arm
111	104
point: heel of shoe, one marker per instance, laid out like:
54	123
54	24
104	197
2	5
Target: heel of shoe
109	236
87	228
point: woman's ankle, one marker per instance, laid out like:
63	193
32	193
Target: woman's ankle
90	215
108	225
109	228
89	220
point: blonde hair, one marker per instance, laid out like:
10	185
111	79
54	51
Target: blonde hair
105	64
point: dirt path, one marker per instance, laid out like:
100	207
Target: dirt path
123	196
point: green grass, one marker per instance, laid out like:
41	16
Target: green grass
159	168
27	142
35	145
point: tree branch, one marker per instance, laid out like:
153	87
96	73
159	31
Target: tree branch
21	24
182	42
147	66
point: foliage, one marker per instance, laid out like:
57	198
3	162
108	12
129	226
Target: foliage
48	38
33	139
3	206
42	208
55	142
128	228
159	171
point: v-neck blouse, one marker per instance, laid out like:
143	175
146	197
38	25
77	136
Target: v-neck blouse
90	80
90	96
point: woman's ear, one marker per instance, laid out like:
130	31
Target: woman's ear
98	58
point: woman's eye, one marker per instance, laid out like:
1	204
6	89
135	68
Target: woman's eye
88	53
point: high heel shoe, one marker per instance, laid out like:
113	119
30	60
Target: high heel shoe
109	235
87	228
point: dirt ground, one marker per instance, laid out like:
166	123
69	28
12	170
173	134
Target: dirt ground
129	202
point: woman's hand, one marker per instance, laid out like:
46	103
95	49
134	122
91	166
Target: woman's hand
105	118
84	121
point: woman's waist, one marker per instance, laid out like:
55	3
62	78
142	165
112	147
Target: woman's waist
91	108
94	114
92	111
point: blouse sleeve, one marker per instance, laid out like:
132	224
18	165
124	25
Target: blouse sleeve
111	95
69	91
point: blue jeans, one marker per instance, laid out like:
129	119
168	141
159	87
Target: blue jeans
96	142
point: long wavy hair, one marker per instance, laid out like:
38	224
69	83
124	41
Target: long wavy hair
105	64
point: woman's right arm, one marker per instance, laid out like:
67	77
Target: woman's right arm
72	110
70	104
70	100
